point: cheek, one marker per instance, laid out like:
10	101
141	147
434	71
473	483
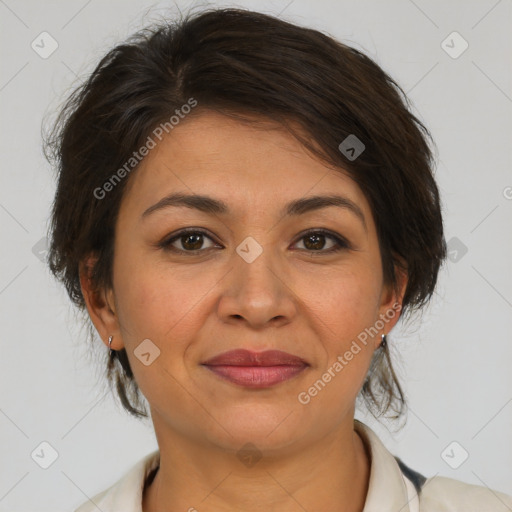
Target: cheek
346	300
346	308
348	351
160	301
166	307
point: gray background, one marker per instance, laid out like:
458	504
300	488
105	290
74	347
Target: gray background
454	364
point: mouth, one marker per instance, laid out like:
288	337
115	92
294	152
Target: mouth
256	369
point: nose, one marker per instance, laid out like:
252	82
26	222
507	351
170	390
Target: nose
257	290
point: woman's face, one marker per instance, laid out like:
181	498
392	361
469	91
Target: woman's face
251	279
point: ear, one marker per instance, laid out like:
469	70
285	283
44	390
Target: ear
391	301
100	305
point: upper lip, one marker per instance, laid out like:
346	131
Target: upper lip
243	357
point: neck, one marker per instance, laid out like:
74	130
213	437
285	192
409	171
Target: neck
330	475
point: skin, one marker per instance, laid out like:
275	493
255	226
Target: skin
294	297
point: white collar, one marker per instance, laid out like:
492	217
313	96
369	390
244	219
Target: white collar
387	488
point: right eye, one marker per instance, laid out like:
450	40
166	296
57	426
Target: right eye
191	241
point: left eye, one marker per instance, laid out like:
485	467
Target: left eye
315	241
193	240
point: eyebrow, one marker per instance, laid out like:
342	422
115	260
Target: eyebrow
214	206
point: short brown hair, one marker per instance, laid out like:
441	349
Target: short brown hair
240	62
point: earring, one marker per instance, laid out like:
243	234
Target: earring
384	342
111	352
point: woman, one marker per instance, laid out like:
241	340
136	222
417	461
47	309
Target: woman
246	208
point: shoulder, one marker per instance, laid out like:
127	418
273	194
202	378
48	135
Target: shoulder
126	494
92	505
443	494
393	483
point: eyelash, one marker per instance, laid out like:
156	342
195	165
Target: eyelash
341	243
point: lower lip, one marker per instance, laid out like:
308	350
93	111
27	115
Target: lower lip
257	376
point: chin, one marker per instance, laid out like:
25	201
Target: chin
266	427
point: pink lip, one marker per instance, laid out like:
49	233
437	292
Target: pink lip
256	369
242	357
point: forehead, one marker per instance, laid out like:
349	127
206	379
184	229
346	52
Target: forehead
249	166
